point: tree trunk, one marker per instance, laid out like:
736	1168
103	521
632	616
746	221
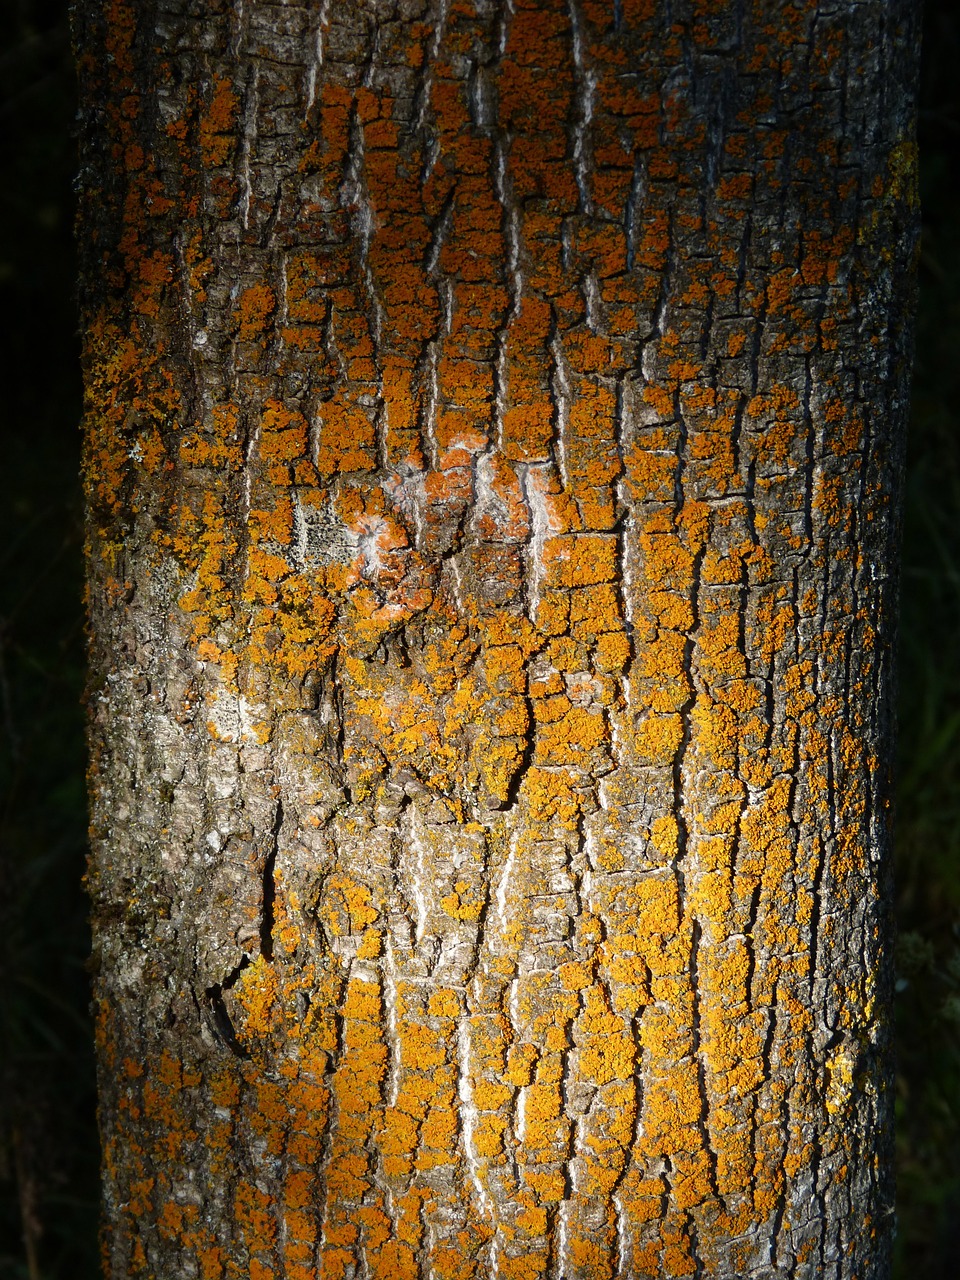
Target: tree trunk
495	415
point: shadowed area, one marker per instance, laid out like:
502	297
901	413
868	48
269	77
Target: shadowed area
48	1152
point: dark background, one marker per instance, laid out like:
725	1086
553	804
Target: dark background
48	1151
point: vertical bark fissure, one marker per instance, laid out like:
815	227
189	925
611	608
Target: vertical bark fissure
269	887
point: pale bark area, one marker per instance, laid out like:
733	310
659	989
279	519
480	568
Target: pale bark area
495	417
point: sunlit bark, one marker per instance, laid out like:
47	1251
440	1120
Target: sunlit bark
492	449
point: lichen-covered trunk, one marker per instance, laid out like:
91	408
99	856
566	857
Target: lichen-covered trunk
494	422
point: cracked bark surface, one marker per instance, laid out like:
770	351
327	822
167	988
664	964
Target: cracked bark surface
493	439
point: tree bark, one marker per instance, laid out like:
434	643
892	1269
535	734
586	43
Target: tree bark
494	426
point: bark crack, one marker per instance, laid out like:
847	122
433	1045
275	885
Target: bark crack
269	888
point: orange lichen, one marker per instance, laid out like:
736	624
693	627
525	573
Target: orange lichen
217	134
549	598
254	312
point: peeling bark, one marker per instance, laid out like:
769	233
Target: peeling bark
493	437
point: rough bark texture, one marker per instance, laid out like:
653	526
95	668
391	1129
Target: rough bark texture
495	414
